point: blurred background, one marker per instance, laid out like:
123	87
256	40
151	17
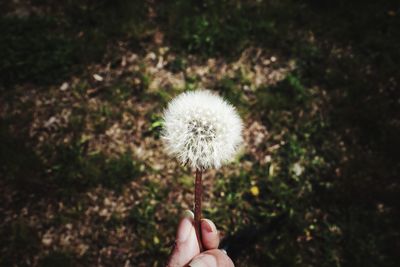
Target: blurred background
84	180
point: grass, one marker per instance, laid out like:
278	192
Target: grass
319	190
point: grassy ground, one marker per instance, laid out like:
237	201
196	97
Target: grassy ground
85	181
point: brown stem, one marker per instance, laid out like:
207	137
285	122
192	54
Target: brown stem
198	191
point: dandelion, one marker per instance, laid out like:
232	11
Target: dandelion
203	131
255	191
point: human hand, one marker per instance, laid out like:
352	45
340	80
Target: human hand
187	252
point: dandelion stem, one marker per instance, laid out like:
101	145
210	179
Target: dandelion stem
198	192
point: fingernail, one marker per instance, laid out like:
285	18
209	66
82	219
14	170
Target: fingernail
185	227
188	214
209	226
197	263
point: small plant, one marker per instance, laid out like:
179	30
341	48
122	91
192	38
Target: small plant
203	131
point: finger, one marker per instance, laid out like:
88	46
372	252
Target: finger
185	227
186	246
212	258
209	234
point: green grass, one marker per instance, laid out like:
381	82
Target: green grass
328	194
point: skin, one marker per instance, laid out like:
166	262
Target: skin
186	251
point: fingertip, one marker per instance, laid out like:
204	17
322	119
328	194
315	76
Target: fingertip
188	214
208	226
210	235
212	258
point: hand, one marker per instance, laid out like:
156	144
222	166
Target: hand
187	252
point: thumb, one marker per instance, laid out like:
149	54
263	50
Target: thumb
186	246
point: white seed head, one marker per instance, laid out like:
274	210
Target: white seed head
201	129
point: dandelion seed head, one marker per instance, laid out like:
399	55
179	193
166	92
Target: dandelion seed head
201	129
